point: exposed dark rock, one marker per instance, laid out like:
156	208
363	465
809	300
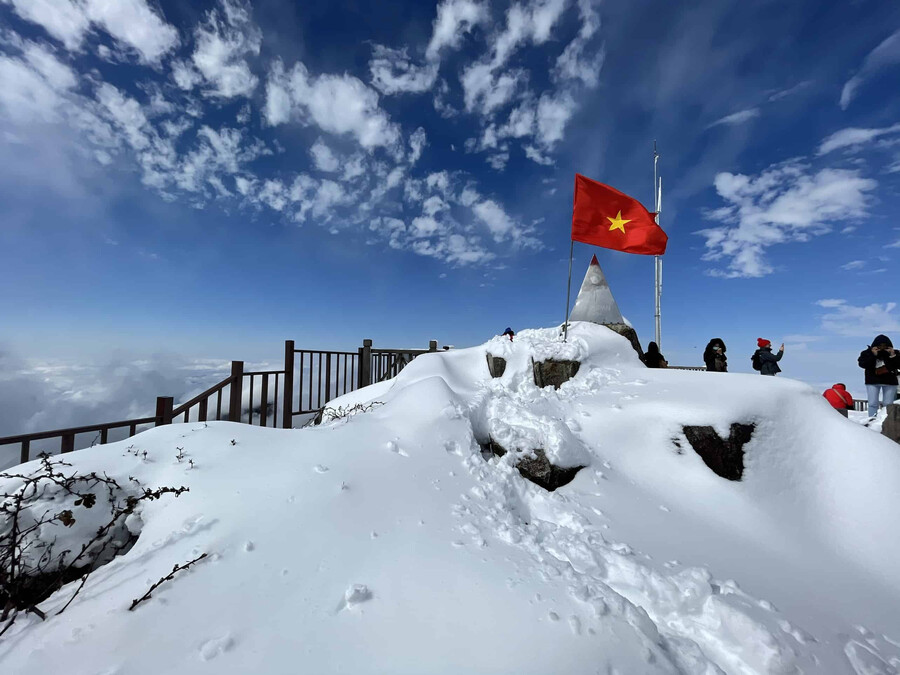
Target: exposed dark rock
554	373
628	332
843	411
724	457
536	468
891	425
496	365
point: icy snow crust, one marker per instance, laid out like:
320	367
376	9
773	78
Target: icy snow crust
385	543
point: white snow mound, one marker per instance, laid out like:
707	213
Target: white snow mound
383	542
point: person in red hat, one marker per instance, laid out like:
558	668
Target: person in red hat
839	397
764	360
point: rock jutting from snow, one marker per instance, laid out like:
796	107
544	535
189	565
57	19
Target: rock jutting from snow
536	467
891	425
553	372
629	333
724	456
496	365
595	303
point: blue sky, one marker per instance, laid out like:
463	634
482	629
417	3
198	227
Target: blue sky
210	178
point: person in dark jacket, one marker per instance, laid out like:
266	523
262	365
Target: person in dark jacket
839	397
652	358
714	356
768	362
881	363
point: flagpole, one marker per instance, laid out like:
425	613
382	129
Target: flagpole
568	292
657	262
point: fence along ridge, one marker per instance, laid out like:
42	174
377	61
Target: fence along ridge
345	371
323	375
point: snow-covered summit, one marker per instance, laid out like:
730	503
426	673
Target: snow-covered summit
384	542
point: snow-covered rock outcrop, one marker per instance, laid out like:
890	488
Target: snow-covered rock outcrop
384	542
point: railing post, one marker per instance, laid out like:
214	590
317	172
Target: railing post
67	443
23	456
237	388
287	405
327	378
365	364
432	345
164	405
264	401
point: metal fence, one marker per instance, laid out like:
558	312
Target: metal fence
310	379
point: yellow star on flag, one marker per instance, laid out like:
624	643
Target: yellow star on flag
618	223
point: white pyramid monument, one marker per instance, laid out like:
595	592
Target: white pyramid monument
595	301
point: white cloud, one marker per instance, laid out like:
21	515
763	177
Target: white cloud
484	90
852	321
354	167
790	91
223	41
133	23
553	113
576	63
185	76
35	87
784	203
323	157
454	19
734	119
425	226
338	104
853	137
496	219
130	22
854	265
498	161
433	205
538	157
393	72
886	54
63	19
417	142
439	180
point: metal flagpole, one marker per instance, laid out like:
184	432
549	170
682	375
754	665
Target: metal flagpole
657	262
568	292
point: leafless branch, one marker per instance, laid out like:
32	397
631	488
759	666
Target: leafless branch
168	577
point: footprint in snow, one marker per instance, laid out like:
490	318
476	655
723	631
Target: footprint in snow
318	468
212	648
394	447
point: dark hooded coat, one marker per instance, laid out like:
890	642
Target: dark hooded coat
652	358
715	361
881	368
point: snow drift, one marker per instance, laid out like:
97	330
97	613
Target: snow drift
384	542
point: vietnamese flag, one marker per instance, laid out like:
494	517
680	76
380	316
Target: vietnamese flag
605	217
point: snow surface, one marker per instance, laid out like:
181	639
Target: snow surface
383	542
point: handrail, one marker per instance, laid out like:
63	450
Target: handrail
206	394
42	435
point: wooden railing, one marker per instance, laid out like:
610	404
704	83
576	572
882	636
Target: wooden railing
315	377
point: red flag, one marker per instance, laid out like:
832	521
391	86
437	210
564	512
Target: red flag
605	217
